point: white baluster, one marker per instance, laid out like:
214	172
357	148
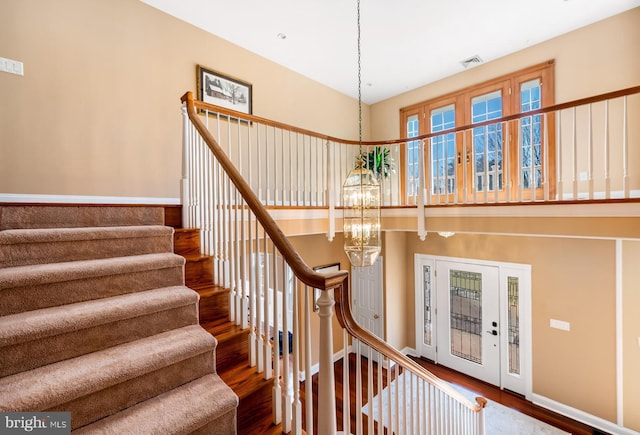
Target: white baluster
308	377
574	143
330	193
358	364
297	405
326	395
625	152
558	148
546	157
590	151
184	185
287	397
276	395
267	298
346	403
607	151
422	232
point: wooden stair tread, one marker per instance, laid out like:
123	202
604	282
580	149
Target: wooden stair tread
196	257
244	380
224	330
207	290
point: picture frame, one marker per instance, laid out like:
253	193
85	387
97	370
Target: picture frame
324	269
223	90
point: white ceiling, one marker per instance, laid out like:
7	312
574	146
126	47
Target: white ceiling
405	44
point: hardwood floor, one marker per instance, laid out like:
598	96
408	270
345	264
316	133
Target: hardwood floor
505	398
508	399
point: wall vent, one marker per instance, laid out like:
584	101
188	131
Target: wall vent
472	61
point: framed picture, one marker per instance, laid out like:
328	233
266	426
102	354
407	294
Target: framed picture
221	90
328	268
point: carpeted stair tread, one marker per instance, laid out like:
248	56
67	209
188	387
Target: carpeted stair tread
52	321
45	387
21	247
73	270
40	235
180	411
61	216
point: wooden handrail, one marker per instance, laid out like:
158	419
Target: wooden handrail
556	107
299	268
338	281
345	317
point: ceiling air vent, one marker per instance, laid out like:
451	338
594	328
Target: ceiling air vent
472	61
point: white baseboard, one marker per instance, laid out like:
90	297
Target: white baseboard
409	351
581	416
316	367
80	199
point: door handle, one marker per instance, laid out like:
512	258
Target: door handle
492	332
375	316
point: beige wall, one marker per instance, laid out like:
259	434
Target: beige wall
572	280
592	60
97	111
631	332
396	281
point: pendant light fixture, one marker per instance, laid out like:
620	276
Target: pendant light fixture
361	199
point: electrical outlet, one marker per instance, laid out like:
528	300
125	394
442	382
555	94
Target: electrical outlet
11	66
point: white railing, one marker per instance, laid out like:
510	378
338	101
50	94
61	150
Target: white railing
272	294
582	150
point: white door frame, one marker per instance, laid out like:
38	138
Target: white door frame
520	383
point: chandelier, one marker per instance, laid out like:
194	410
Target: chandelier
361	200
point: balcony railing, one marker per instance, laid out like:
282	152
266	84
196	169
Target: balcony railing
587	149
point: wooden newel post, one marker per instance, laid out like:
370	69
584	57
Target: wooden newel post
326	380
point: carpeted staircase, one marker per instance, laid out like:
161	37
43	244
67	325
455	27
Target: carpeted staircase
95	320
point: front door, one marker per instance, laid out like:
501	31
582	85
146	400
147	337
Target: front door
468	319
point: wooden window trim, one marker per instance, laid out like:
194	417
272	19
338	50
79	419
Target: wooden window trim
511	105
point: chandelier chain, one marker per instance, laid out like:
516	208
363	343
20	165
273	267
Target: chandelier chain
359	85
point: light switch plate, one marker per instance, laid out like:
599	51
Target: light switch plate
559	324
11	66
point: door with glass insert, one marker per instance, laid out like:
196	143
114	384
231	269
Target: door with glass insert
468	337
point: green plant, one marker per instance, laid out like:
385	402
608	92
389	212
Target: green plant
378	160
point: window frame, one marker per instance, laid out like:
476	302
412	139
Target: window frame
510	85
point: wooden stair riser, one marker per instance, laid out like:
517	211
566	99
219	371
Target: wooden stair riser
213	307
198	272
186	241
36	353
232	351
255	407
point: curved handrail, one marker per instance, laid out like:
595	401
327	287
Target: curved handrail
556	107
337	280
345	317
300	269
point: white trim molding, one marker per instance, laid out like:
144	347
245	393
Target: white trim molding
578	415
85	199
619	339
